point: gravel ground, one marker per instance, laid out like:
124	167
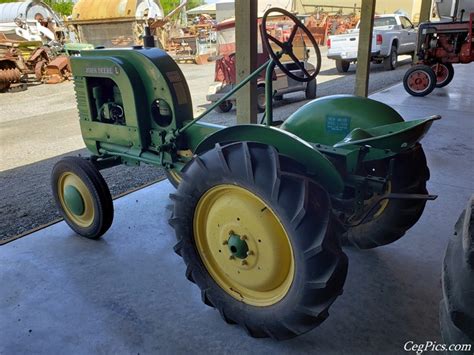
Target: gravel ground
38	127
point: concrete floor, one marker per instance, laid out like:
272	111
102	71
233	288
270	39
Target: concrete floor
127	293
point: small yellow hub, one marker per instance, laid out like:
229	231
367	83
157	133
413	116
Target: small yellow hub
243	245
83	216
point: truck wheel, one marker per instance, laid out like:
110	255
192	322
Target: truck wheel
226	106
258	238
82	197
342	66
444	73
261	99
310	91
390	62
419	80
457	306
394	217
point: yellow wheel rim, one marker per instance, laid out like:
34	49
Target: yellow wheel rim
227	216
384	203
86	218
175	175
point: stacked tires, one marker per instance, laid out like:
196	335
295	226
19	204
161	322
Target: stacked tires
457	306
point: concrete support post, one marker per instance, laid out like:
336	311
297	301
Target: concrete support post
365	46
246	58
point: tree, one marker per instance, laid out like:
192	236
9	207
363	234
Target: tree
61	7
169	5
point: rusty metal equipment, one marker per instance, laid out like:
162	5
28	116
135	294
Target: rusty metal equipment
57	70
12	67
440	45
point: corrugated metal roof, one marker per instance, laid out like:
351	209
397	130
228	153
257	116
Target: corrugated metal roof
95	10
24	10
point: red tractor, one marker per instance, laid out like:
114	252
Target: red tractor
440	45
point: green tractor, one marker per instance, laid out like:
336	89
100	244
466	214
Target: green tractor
260	211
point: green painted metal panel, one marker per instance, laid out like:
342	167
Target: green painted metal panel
143	76
329	119
286	143
196	133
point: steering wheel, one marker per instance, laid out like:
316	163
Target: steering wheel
287	47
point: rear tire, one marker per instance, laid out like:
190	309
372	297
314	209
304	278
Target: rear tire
299	211
310	91
397	216
457	306
390	62
342	66
82	197
444	73
419	80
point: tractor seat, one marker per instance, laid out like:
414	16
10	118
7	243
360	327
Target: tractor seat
394	136
355	135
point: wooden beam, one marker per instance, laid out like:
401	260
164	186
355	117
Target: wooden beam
425	10
246	58
365	47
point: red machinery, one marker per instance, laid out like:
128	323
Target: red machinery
440	45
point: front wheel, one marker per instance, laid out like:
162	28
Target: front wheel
261	99
82	196
225	106
258	238
394	217
310	91
419	80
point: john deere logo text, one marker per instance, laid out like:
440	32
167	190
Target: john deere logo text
103	70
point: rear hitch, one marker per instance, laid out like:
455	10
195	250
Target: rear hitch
390	196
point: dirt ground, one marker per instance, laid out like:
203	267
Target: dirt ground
40	125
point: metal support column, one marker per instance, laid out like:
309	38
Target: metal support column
365	47
246	59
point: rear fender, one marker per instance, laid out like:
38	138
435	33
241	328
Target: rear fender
328	120
321	169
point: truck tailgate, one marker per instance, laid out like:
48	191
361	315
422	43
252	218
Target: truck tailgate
344	46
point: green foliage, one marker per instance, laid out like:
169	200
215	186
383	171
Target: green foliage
170	5
5	1
61	7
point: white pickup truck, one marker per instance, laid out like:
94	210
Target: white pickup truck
393	35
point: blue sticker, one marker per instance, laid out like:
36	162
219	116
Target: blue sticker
338	124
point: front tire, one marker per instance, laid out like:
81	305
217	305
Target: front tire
261	99
310	91
286	267
82	197
419	80
225	106
394	218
